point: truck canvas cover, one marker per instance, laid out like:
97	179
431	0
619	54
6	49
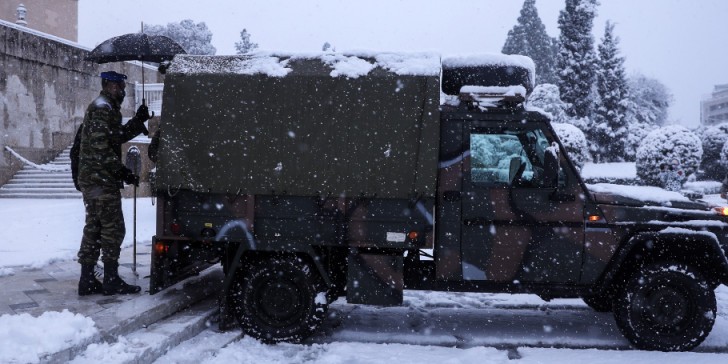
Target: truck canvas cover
307	125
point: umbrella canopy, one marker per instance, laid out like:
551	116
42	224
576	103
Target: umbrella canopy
136	47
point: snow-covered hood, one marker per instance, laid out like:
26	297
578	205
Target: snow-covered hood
613	194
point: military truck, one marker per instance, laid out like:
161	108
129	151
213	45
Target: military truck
311	177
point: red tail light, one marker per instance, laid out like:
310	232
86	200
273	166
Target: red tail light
161	248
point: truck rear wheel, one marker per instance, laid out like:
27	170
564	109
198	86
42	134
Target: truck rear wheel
667	307
279	299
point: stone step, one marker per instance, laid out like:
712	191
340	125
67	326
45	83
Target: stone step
16	181
36	195
50	182
27	174
36	172
36	186
43	189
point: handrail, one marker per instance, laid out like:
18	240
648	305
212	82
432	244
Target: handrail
152	94
42	167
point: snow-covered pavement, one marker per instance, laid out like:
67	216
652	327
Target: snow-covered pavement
429	327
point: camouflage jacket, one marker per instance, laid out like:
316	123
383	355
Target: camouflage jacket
100	166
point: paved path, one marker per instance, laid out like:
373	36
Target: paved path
54	287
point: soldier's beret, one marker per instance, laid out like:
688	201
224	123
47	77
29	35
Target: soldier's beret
113	76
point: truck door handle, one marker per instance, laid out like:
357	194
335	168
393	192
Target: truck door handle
562	197
476	221
451	196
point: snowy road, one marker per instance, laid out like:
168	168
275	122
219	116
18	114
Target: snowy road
456	328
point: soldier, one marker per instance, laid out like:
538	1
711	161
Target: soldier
100	176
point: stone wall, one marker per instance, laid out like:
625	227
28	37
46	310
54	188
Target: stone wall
45	87
57	17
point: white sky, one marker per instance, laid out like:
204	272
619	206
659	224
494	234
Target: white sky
680	42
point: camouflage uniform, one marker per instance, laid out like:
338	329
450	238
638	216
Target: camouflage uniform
100	180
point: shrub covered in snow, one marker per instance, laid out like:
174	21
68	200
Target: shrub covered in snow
664	145
574	142
713	140
547	97
723	157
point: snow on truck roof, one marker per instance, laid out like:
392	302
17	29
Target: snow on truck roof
349	64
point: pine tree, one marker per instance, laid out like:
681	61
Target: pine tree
610	124
529	38
576	57
245	45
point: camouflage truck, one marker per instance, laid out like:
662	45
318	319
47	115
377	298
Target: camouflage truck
312	177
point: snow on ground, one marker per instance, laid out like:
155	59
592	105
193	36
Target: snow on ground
428	327
39	232
24	338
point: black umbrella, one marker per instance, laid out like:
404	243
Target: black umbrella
136	47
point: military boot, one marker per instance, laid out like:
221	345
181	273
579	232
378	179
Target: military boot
88	284
113	284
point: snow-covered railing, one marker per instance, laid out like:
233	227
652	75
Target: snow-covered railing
152	94
42	167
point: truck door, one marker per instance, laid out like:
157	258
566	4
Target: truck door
522	211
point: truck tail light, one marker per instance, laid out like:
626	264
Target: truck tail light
161	248
413	235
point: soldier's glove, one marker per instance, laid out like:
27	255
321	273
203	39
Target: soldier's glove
142	113
128	176
137	122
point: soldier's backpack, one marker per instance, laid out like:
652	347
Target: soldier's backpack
75	151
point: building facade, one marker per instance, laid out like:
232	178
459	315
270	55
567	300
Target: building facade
54	17
714	107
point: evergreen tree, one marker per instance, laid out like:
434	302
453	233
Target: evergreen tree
245	45
610	124
576	57
529	38
649	100
194	38
647	103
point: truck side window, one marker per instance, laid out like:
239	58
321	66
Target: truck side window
491	156
496	156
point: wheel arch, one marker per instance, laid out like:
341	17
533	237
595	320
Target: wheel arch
697	249
307	253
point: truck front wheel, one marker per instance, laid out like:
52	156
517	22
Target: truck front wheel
667	307
279	299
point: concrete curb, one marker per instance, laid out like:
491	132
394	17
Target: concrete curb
145	310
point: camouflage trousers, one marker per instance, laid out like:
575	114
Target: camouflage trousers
104	230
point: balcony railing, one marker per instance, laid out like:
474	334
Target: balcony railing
152	94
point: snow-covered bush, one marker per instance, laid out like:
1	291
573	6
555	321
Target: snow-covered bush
547	98
723	156
664	145
714	139
636	133
574	142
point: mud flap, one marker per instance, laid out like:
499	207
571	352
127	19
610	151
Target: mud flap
375	278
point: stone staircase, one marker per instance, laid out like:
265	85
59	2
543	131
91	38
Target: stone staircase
32	182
